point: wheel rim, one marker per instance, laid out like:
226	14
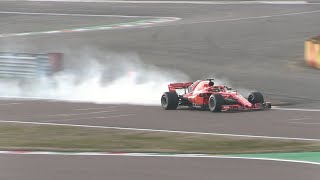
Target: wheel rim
212	102
164	101
250	98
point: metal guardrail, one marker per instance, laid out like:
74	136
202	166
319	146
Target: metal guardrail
25	65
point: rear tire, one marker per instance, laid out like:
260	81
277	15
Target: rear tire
215	102
169	100
255	97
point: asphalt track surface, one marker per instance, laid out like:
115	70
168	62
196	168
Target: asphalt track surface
137	168
254	46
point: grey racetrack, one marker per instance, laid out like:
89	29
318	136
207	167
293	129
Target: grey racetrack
257	46
137	168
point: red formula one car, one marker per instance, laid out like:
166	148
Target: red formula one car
205	95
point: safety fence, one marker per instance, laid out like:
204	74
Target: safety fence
312	52
26	65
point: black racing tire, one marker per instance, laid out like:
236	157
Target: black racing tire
255	97
215	102
169	100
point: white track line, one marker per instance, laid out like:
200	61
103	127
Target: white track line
154	155
96	108
86	113
269	159
248	18
9	104
188	2
296	109
305	123
300	119
198	22
161	130
101	117
142	23
76	15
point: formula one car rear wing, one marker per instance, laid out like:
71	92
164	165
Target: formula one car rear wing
172	87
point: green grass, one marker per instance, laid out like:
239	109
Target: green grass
43	137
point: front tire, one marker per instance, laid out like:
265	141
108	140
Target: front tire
255	97
169	100
215	102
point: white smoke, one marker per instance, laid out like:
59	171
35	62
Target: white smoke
102	77
99	78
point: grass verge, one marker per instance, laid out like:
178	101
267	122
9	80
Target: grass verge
57	138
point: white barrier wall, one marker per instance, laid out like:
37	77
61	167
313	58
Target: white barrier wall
29	65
